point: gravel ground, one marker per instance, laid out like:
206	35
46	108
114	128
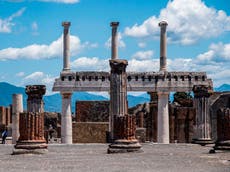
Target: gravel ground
93	158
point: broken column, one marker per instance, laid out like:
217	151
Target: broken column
66	46
114	40
123	124
66	118
31	127
163	118
202	134
17	108
163	46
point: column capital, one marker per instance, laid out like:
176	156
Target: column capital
66	95
118	65
66	24
114	24
201	91
163	24
35	91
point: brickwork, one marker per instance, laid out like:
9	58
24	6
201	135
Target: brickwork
2	115
223	124
92	111
90	132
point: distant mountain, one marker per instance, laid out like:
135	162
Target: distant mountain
224	87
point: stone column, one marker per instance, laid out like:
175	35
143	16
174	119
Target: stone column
163	118
203	124
17	108
114	40
31	125
152	119
123	124
66	119
66	46
163	46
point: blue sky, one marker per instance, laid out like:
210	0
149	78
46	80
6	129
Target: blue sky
31	37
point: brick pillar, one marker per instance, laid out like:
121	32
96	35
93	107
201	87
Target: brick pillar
203	124
31	125
123	124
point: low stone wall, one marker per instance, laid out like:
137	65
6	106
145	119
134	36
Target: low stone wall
90	132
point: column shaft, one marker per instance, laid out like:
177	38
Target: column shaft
114	40
66	119
163	46
17	108
66	46
163	118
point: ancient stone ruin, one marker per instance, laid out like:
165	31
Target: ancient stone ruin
118	82
31	123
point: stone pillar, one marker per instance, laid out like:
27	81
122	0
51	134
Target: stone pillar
223	128
152	119
17	108
203	124
163	118
66	119
31	125
123	124
114	40
66	46
163	46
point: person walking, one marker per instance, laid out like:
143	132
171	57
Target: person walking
4	135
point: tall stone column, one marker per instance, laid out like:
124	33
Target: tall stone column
66	46
152	119
163	46
31	126
114	40
163	118
17	108
66	119
123	124
203	124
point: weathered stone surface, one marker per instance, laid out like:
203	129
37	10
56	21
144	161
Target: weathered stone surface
90	132
92	111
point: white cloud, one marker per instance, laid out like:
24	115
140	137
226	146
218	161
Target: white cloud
20	74
143	55
37	51
121	43
189	20
91	64
7	24
34	27
141	44
39	78
61	1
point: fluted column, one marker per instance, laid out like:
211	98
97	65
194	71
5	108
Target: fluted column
31	126
114	40
66	46
66	119
123	124
163	118
163	46
17	108
203	124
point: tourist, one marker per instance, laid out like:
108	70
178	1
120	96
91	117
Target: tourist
4	135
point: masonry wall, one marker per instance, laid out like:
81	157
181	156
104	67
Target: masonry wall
90	132
92	111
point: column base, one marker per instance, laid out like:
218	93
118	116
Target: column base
222	145
30	147
203	141
124	146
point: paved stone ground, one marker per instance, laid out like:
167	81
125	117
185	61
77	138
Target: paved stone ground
93	158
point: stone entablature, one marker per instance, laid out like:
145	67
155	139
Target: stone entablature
136	81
